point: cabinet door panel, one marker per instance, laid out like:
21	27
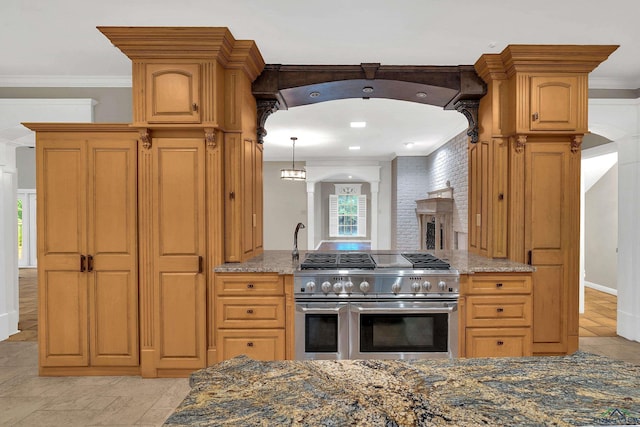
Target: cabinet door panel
554	103
61	202
248	211
114	319
112	243
179	244
181	323
547	224
63	318
173	93
62	287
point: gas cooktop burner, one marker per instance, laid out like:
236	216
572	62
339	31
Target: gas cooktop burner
365	261
335	261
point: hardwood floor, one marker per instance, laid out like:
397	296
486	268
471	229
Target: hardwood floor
28	300
600	313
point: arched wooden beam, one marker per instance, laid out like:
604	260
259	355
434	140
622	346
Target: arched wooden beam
280	87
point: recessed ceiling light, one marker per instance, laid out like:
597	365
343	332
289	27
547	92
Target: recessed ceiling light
421	94
354	147
367	89
314	94
358	124
408	144
350	177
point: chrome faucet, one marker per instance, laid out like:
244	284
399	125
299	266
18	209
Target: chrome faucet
295	255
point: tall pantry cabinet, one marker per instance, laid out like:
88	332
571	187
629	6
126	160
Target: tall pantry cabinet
524	175
195	180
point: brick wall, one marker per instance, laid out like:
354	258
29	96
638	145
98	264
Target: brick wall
414	177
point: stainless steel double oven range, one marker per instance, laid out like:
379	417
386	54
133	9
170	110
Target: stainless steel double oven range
356	305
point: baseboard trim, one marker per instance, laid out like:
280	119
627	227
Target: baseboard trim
601	288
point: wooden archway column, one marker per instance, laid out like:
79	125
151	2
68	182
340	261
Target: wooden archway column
280	87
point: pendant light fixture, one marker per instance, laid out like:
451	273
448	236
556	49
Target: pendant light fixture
293	174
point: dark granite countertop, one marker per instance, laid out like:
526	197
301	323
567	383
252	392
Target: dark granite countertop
466	263
580	389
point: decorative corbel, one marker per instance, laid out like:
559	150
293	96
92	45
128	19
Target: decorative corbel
210	137
469	107
145	137
576	142
520	142
266	107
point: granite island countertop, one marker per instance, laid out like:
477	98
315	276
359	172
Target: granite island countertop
580	389
272	261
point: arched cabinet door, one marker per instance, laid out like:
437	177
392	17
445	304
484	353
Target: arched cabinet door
173	93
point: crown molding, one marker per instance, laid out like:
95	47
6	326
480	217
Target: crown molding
65	81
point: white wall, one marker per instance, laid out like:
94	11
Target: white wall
601	232
12	135
285	205
619	121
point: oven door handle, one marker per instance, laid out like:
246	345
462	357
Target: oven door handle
317	310
396	310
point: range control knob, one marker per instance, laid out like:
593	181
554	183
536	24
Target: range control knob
395	288
442	285
364	286
326	287
426	285
348	286
337	287
310	286
415	287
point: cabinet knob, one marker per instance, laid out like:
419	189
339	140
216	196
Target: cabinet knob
499	309
534	116
500	343
249	344
194	106
500	196
498	285
250	285
250	311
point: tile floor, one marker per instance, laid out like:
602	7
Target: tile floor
27	399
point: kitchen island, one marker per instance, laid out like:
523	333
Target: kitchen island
254	306
279	261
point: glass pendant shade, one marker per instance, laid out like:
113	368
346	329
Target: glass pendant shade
293	174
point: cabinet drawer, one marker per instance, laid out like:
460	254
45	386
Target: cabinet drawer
249	284
510	310
502	284
498	342
266	344
242	312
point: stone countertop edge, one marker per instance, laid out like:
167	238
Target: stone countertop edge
279	261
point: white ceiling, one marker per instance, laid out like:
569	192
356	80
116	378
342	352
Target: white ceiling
56	43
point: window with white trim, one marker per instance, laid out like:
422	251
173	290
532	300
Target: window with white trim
348	211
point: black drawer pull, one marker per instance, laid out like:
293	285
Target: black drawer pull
249	344
499	309
89	262
83	260
498	285
250	311
250	286
500	342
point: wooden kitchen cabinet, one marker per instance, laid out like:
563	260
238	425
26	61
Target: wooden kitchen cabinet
244	204
87	248
498	315
178	251
250	315
533	118
172	93
555	103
